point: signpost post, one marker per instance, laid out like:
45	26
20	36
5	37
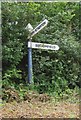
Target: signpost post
30	64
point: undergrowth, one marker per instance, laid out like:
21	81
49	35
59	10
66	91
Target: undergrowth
23	92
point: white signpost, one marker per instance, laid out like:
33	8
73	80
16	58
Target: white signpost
36	45
42	46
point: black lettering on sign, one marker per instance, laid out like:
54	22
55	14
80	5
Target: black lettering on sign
37	45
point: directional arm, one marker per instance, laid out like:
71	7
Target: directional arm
39	27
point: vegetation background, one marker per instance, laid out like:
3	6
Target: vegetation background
54	72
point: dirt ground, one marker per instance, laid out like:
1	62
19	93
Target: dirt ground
38	108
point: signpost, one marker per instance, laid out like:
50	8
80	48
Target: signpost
36	45
32	33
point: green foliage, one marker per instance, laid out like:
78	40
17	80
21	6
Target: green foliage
11	78
52	70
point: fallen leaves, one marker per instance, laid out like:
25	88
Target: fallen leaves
40	106
39	109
